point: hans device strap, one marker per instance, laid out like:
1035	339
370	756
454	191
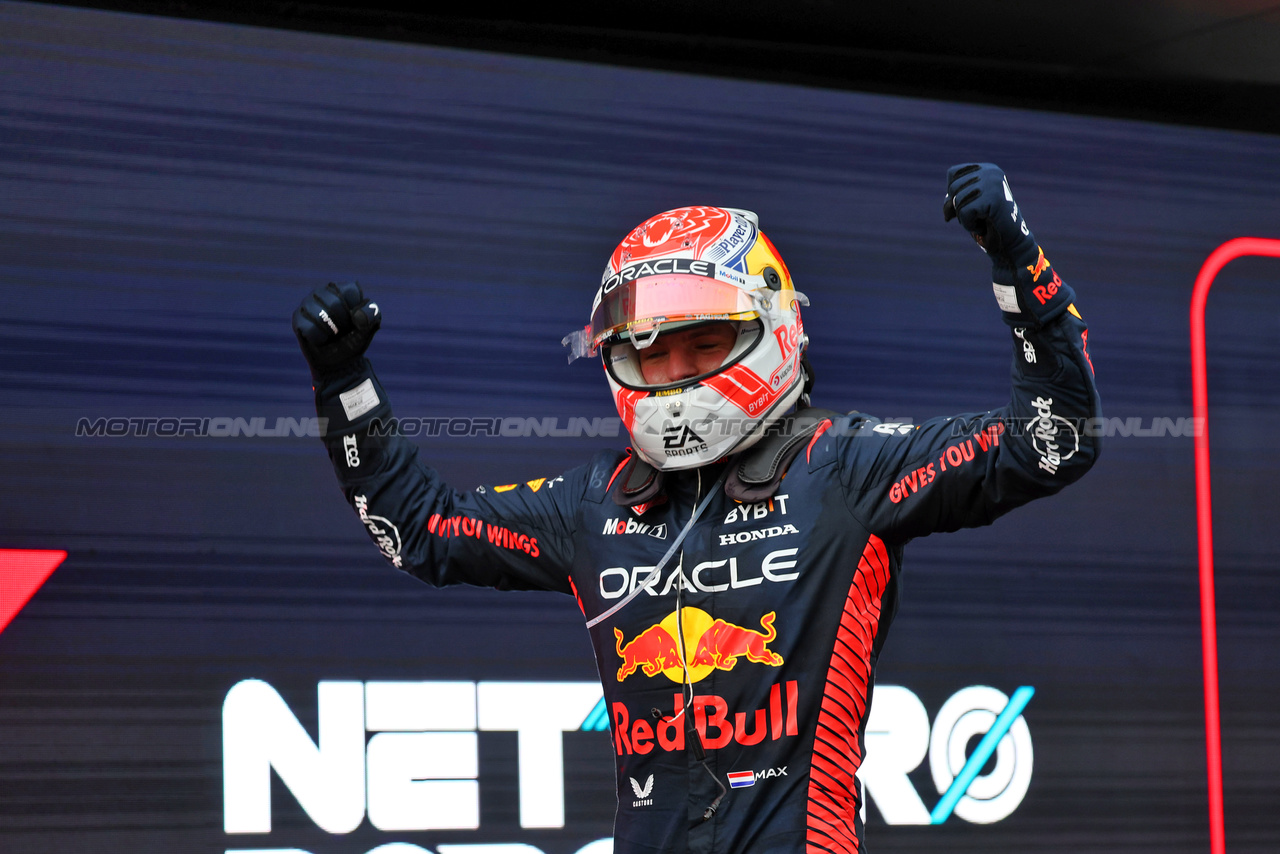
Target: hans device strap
657	570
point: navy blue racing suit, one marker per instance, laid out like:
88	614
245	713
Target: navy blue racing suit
784	603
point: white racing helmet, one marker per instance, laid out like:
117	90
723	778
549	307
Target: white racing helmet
680	269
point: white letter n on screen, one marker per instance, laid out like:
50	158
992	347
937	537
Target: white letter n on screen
260	733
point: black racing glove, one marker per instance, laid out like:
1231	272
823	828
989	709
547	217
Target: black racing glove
1029	291
334	325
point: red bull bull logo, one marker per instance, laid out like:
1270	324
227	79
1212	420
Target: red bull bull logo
715	645
1039	266
653	651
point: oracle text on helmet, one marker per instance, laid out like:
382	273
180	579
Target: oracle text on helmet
661	266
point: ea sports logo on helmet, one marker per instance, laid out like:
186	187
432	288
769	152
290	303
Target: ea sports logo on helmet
681	441
674	437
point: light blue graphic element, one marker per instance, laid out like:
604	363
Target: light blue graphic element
981	754
597	720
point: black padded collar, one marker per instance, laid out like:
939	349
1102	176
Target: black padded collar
755	474
638	483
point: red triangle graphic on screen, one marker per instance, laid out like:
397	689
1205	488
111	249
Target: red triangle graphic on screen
22	571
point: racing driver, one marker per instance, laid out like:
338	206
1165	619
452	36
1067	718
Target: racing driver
738	565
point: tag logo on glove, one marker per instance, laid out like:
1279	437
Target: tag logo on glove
1006	297
359	400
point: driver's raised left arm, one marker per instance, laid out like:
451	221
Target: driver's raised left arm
966	470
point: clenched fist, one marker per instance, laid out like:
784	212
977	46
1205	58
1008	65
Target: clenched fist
334	325
1027	288
978	195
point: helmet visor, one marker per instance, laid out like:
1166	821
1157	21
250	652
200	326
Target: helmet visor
641	306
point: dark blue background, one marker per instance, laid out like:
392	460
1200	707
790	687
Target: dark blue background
170	190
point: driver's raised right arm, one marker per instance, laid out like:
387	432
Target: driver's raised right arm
519	538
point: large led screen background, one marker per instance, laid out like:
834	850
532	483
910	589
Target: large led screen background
170	190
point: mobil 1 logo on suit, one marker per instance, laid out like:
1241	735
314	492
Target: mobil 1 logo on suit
631	526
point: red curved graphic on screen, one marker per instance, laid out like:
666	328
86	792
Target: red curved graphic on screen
22	571
1229	251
